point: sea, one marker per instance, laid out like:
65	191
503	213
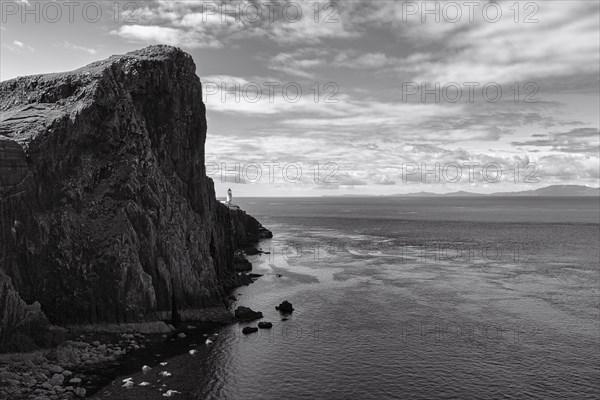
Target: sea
410	298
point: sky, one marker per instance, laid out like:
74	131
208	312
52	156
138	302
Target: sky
356	97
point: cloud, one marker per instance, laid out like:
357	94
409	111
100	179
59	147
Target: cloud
265	96
18	47
569	168
291	64
198	24
564	41
165	35
362	61
304	61
310	29
71	46
386	180
579	140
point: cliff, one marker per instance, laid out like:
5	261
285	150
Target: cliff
107	215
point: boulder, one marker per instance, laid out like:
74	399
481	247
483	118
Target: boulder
285	307
57	380
249	329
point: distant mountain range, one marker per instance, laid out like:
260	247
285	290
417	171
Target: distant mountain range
548	191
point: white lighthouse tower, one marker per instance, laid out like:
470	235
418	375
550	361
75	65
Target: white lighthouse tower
229	202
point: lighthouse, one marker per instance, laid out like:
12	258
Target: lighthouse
229	202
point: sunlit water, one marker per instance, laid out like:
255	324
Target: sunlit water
414	299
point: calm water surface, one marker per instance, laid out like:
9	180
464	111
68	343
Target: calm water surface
452	298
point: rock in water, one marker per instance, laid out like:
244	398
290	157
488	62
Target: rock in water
104	194
285	307
247	314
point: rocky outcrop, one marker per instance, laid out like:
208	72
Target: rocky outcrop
106	211
285	307
247	314
22	325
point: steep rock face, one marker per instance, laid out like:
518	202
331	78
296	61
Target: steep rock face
106	211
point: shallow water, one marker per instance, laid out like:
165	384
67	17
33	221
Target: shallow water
412	298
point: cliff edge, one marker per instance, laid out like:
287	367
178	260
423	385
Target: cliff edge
107	215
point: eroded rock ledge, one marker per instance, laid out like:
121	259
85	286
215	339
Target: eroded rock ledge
107	215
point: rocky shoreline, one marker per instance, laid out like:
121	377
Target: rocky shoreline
90	355
66	372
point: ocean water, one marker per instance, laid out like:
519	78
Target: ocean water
431	298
